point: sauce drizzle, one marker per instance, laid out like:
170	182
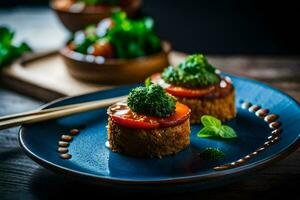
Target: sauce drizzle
64	143
272	139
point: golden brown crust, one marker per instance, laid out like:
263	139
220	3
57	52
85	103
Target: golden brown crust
148	142
221	108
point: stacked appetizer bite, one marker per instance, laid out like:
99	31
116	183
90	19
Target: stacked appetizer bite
150	124
197	84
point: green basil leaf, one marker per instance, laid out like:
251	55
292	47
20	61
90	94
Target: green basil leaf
227	132
206	132
210	121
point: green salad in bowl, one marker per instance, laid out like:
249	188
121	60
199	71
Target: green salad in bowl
117	49
118	37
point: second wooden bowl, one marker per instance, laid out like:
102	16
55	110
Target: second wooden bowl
74	21
114	71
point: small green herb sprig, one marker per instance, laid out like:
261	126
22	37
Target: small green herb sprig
151	100
213	128
211	154
8	50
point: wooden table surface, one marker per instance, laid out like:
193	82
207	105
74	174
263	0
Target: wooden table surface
21	178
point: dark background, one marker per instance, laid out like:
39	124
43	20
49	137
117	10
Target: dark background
214	27
220	27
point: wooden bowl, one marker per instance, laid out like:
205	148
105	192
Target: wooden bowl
114	71
74	21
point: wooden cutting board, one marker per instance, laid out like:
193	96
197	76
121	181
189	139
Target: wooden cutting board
44	75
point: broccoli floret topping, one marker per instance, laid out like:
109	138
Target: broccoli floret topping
151	100
194	71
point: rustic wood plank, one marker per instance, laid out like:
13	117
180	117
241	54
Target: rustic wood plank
15	168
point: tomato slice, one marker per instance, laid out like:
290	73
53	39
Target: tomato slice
185	92
157	79
181	91
134	123
71	46
182	112
104	49
125	117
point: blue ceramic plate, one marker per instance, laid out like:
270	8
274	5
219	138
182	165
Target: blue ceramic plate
258	143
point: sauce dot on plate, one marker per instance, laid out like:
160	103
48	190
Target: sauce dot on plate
63	144
246	105
262	112
270	118
66	138
62	150
275	125
254	108
74	131
65	156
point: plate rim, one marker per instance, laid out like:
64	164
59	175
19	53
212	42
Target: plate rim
179	179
